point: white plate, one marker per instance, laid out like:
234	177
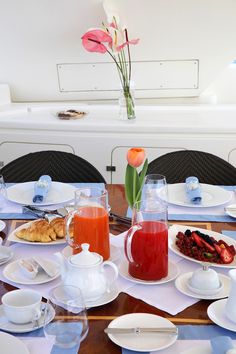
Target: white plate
22	193
5	251
2	225
13	238
105	299
11	344
173	272
205	349
114	253
216	313
13	273
231	213
8	326
211	195
143	342
181	285
174	229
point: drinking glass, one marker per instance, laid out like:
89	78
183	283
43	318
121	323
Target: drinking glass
69	325
89	221
146	243
3	191
155	186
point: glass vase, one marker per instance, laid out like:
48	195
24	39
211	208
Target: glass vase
127	104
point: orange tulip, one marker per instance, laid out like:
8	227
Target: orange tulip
135	157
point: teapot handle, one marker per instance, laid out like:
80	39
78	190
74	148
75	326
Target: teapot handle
115	271
128	241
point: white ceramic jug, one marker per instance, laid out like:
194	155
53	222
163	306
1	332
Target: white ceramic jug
86	271
230	307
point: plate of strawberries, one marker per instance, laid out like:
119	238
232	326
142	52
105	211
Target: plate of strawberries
200	245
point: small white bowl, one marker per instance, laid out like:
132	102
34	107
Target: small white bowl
204	281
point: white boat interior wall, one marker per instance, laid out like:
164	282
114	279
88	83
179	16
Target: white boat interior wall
185	82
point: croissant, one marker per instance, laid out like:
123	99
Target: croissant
38	231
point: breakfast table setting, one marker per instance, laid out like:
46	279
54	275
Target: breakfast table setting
125	310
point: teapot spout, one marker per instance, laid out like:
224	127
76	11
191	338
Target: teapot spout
62	262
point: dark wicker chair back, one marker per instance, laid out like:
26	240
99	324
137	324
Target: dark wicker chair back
61	166
179	165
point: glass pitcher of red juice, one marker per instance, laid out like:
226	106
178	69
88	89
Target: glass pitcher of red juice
146	243
89	222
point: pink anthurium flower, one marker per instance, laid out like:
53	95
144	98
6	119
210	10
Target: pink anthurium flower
93	40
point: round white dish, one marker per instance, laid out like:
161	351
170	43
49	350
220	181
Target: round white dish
205	349
2	225
13	273
104	299
173	272
11	344
5	251
173	231
114	252
8	326
182	286
22	193
143	342
13	238
216	313
211	195
231	213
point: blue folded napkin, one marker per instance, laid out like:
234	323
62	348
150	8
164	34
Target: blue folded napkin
220	345
193	190
41	188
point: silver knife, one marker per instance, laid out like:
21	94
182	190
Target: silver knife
138	330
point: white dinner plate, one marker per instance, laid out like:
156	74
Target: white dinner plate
11	344
181	285
8	326
13	238
14	273
143	342
211	195
104	299
23	193
173	231
173	272
115	253
216	313
231	213
2	225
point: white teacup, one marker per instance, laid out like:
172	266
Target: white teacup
22	306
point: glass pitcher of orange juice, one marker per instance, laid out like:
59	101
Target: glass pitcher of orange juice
89	221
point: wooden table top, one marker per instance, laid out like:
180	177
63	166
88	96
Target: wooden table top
97	341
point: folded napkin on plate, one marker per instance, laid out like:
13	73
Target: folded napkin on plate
41	188
222	345
193	190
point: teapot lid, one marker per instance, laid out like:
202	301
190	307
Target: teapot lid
85	257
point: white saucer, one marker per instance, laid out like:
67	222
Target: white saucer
143	342
181	285
8	326
114	253
104	299
173	272
13	273
216	313
5	251
231	213
11	344
2	225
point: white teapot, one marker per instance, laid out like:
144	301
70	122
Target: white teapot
86	271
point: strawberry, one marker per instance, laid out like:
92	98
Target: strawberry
226	256
202	243
217	248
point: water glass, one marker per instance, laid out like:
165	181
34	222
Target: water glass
3	191
70	324
155	186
